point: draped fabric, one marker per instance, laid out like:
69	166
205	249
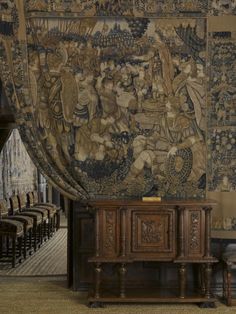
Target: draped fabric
4	135
17	171
110	99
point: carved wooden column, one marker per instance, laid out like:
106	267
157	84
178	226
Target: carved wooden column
122	273
181	232
123	232
98	271
202	279
182	280
228	285
207	231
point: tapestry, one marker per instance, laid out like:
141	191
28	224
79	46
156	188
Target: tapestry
17	171
109	107
222	7
132	8
222	112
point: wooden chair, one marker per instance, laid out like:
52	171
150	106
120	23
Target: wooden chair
51	212
37	220
50	206
22	198
11	239
229	265
25	220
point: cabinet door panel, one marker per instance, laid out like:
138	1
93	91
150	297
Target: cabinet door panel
153	232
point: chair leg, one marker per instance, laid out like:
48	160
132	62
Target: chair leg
40	235
45	230
52	226
58	221
20	248
25	245
1	246
30	241
48	228
13	252
35	238
7	245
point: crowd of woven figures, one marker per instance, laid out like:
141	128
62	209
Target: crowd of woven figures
121	103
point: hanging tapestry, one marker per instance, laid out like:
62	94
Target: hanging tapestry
109	106
17	171
132	8
222	111
223	7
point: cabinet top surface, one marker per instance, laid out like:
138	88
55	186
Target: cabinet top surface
203	202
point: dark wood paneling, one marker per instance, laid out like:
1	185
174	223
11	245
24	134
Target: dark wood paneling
83	246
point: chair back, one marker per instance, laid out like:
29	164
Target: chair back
14	202
30	199
35	196
22	201
3	208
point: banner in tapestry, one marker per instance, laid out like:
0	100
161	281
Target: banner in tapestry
110	107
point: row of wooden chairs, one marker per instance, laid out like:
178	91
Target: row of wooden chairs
25	226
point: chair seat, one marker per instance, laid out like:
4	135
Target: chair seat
42	211
11	227
27	221
37	217
51	211
51	207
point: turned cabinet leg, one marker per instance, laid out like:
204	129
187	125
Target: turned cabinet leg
208	272
182	279
224	282
98	271
228	286
122	273
202	279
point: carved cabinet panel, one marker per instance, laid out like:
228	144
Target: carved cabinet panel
194	232
153	233
109	232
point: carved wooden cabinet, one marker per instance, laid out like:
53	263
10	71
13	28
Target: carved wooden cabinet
172	231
